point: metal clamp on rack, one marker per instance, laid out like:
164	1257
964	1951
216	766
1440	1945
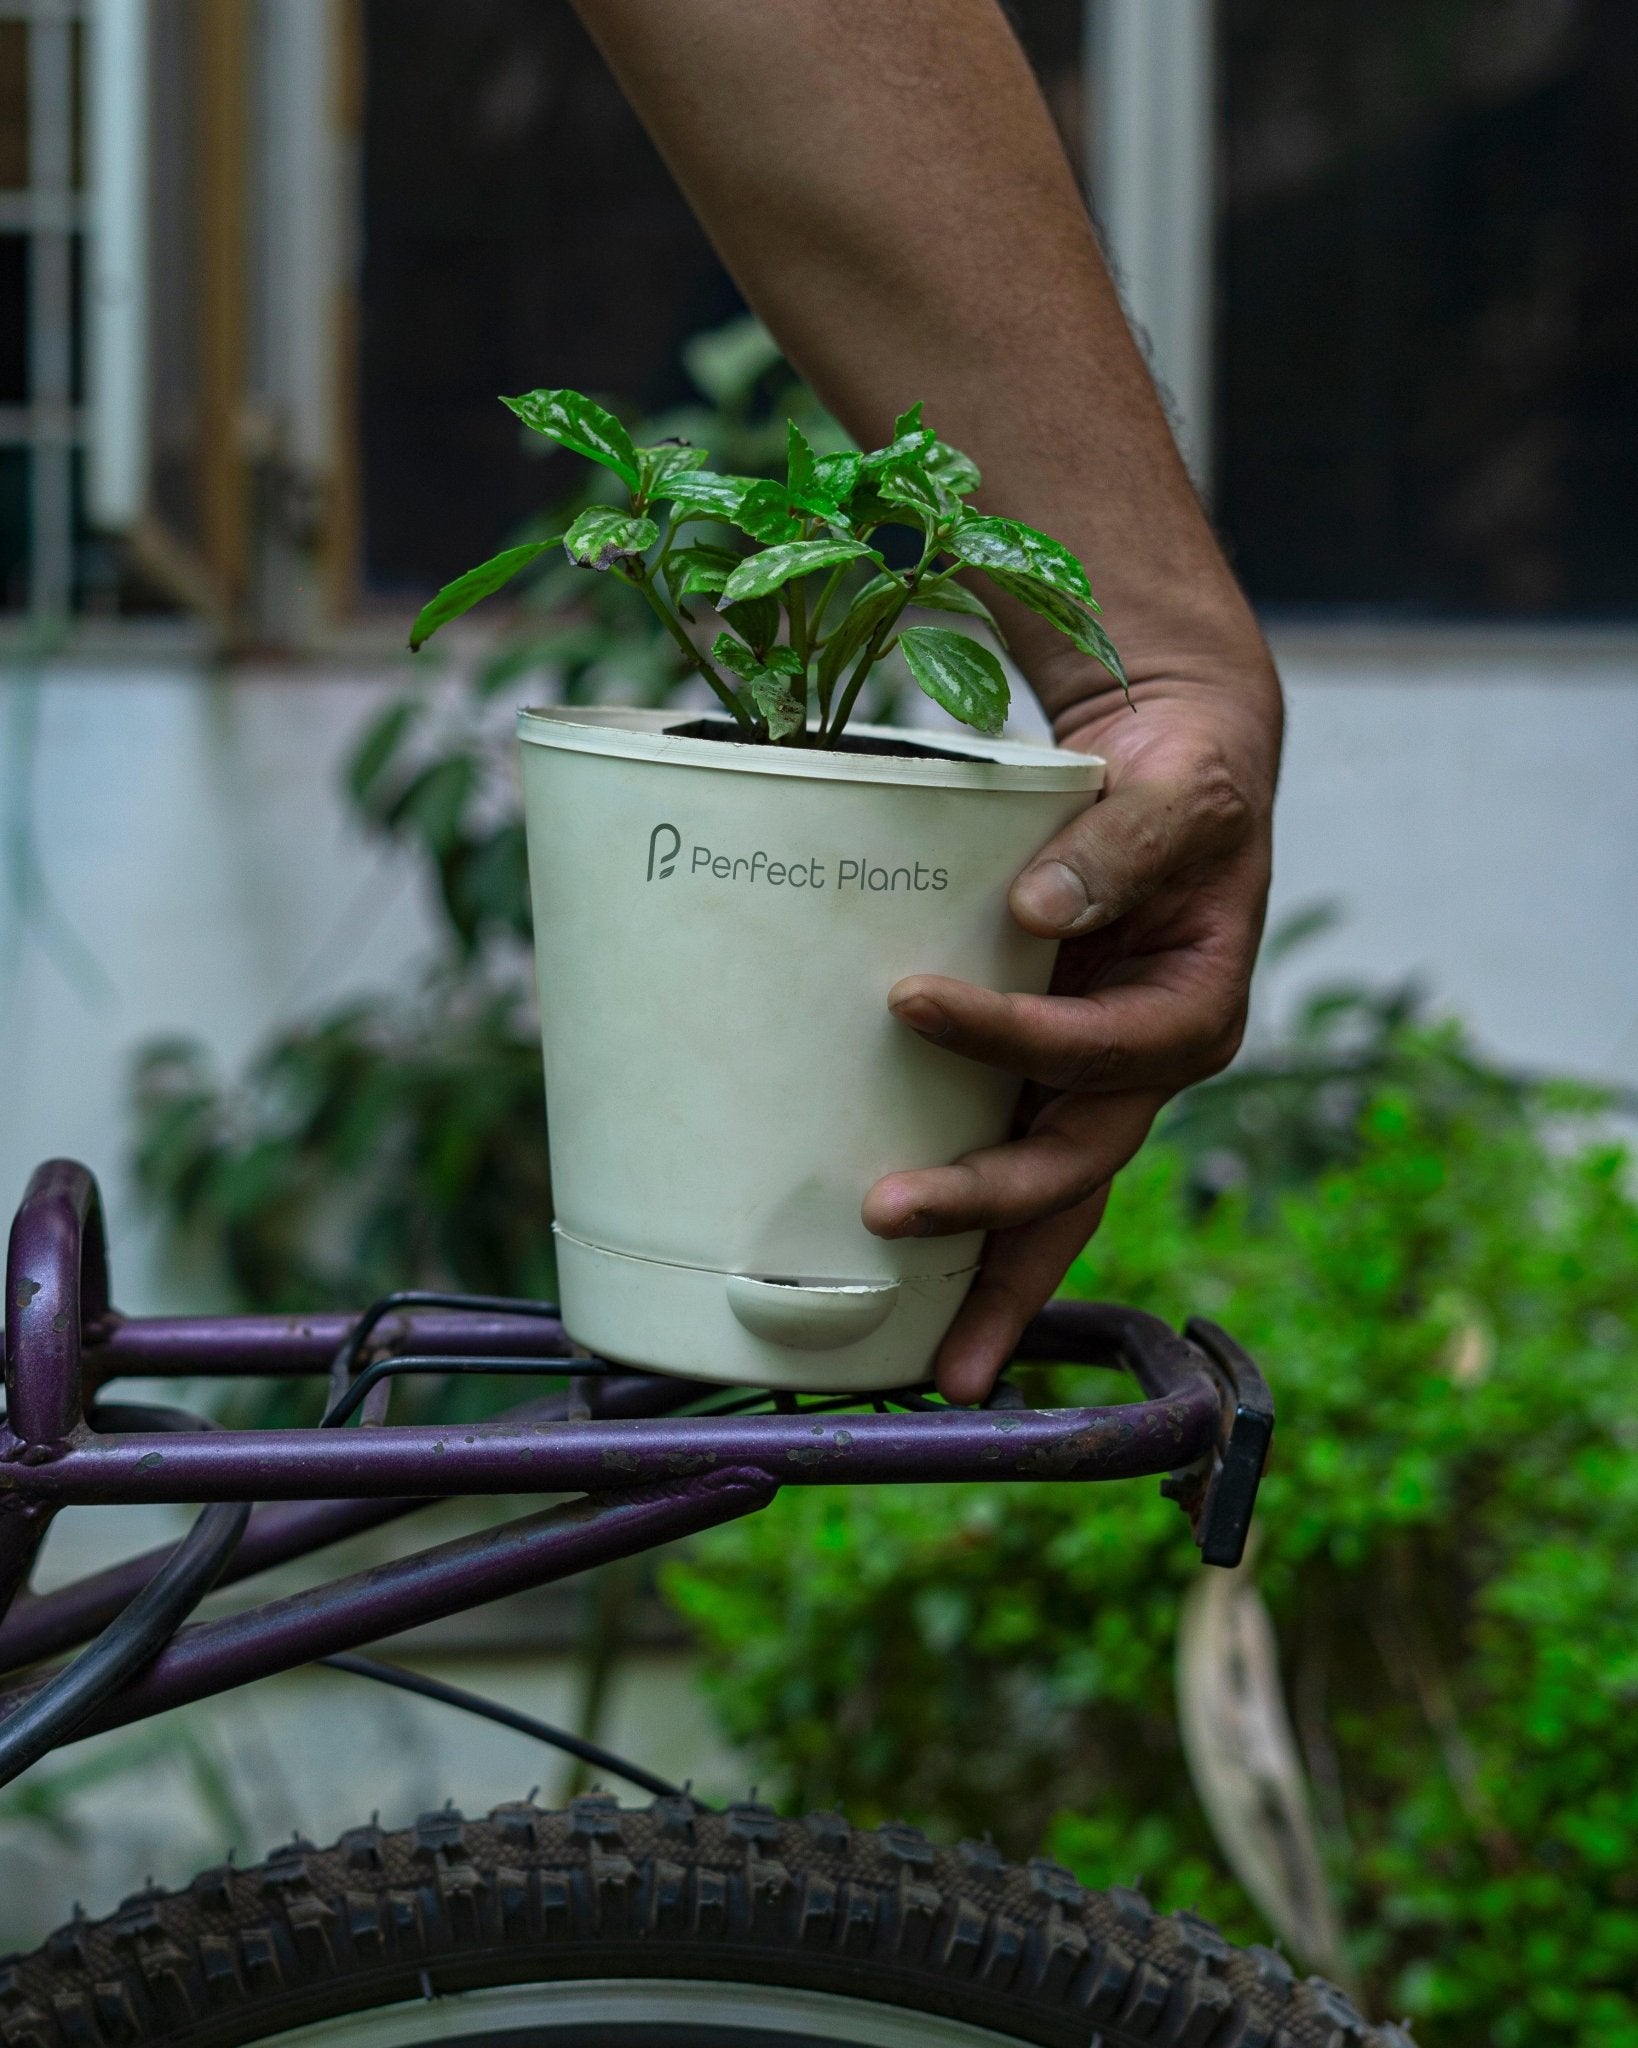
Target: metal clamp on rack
1219	1491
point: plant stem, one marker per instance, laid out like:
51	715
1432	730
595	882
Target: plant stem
825	596
873	646
796	606
867	661
696	660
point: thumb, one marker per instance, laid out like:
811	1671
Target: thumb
1119	850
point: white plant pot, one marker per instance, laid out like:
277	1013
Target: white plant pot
716	930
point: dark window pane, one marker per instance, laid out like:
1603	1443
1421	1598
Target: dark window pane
519	230
13	105
13	319
1053	35
1428	300
14	475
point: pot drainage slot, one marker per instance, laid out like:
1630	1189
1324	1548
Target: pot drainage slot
811	1315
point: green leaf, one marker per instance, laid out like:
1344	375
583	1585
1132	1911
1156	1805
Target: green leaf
382	739
950	596
703	491
670	458
483	581
987	543
909	422
782	701
700	570
820	485
603	537
726	362
776	682
759	574
956	672
955	471
754	618
801	466
434	803
750	661
838	474
913	446
766	513
880	597
866	507
755	505
1071	616
920	492
732	654
578	422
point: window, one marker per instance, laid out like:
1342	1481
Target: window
1427	317
158	402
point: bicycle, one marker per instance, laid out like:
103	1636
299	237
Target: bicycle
664	1926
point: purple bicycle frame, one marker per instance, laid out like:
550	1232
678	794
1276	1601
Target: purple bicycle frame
644	1472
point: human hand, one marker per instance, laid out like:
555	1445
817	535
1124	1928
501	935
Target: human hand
1157	892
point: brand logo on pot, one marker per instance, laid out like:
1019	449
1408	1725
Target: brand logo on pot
664	844
862	874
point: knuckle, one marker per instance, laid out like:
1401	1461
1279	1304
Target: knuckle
1216	800
1088	1068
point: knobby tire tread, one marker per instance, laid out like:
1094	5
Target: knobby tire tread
667	1890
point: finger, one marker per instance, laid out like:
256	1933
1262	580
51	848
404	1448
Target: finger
1163	1032
1020	1273
1115	854
1076	1144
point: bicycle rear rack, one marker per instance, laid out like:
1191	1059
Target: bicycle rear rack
646	1472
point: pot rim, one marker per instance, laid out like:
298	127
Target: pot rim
632	734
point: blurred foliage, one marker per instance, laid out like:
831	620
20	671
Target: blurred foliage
1448	1311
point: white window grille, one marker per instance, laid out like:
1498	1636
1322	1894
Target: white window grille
1150	111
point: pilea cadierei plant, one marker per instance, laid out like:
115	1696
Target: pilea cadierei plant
809	606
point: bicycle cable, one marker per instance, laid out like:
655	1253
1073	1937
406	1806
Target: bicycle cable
62	1703
506	1717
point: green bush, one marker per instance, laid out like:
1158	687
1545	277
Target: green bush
1447	1540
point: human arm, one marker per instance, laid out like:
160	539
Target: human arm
882	178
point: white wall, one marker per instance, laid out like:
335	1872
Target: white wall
199	876
1474	812
1470	807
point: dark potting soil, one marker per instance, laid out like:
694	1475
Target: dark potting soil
850	743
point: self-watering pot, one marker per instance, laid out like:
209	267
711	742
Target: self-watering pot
717	926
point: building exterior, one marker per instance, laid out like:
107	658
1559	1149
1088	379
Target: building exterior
250	324
263	264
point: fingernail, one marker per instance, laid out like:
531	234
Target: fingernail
1053	895
922	1014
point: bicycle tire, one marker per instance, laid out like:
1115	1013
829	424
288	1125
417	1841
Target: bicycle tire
511	1929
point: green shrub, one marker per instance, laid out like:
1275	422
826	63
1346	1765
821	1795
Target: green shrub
1447	1540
